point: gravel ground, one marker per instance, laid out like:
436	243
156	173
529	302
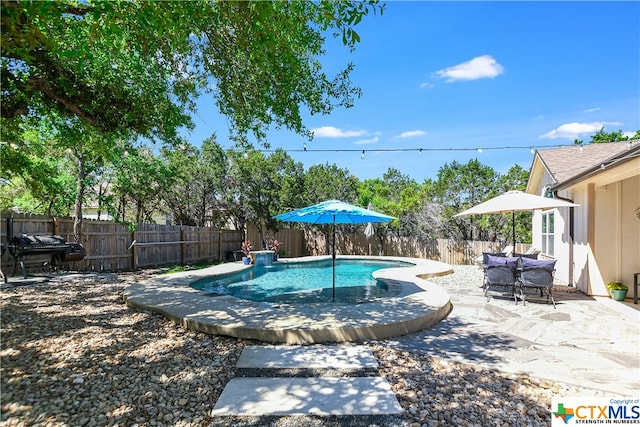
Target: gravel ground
73	354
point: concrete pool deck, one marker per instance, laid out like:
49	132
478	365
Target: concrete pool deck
419	305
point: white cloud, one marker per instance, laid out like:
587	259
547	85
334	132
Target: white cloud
427	85
411	134
367	141
575	130
480	67
592	110
333	132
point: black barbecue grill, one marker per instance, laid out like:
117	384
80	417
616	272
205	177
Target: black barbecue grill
54	247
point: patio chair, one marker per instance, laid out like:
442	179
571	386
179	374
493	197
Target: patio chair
538	274
500	272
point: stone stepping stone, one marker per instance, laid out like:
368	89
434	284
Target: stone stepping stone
263	396
307	357
307	396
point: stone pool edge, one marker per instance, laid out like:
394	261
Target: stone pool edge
420	305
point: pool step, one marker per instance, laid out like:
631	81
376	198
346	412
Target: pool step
316	395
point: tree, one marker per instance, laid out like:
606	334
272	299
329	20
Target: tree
326	182
139	180
395	194
201	179
146	61
459	187
38	170
602	137
266	186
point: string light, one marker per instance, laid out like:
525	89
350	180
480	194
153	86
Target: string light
415	149
246	155
419	150
581	148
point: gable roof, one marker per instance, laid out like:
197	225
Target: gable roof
569	164
564	163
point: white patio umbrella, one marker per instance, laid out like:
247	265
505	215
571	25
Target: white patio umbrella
515	201
369	231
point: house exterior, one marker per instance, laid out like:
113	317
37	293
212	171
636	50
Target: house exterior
599	241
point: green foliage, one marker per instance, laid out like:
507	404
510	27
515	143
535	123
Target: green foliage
264	187
617	286
326	182
459	187
200	182
601	137
138	180
136	67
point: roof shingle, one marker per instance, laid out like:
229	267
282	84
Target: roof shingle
564	163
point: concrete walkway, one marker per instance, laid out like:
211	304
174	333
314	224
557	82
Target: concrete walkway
265	392
586	341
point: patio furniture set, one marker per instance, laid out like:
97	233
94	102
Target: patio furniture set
517	274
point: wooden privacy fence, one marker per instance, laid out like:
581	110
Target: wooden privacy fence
112	247
316	240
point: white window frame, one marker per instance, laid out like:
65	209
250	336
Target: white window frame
548	232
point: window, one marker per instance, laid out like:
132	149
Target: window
547	233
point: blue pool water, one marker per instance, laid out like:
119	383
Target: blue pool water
305	282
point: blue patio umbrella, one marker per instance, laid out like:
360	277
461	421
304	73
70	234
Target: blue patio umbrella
333	212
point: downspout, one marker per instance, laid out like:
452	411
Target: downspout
571	232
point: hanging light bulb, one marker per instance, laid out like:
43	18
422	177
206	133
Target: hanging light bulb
420	152
246	155
532	151
362	156
305	146
479	150
581	148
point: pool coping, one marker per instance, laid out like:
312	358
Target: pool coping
419	305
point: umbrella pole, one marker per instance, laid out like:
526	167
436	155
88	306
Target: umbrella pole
334	257
513	229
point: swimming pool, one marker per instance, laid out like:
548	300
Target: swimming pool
305	282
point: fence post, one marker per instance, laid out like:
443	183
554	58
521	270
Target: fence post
134	251
182	246
56	226
220	246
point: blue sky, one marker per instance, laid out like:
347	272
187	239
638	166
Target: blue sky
459	76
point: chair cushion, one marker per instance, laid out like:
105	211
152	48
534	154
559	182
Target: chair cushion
513	262
528	263
486	255
495	260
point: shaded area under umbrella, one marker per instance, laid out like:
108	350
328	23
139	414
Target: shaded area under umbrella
333	212
515	201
